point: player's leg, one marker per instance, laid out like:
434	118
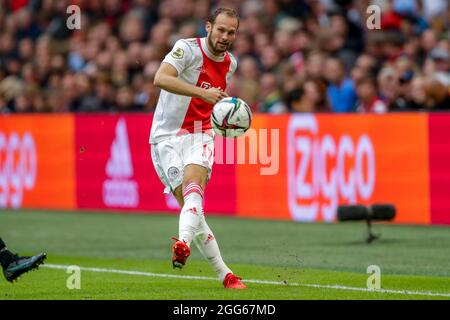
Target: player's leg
14	265
194	173
197	151
196	176
178	194
186	183
194	180
207	244
197	157
169	167
192	219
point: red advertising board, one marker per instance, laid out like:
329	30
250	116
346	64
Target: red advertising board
113	164
327	160
36	162
115	170
293	167
439	151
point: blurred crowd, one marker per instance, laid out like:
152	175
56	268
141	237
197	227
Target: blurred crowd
293	55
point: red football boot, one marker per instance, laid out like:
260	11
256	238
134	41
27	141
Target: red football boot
181	252
233	282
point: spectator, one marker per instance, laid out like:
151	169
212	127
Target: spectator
387	85
367	63
351	37
271	95
314	67
340	90
3	105
270	59
285	49
125	100
417	93
403	100
368	100
441	62
248	74
312	98
437	95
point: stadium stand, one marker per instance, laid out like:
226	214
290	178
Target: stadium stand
294	55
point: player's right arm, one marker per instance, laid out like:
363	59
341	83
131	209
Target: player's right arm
178	60
167	78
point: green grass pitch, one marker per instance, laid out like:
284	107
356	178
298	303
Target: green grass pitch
127	256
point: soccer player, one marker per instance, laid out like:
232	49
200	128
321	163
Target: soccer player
193	77
14	265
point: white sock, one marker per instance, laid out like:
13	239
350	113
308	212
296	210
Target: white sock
207	245
191	213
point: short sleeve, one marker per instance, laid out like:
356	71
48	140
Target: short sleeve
180	56
233	67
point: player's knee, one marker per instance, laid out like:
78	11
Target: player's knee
195	173
198	179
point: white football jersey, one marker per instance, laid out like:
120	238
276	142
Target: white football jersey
176	114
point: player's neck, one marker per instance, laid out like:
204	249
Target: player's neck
212	51
206	47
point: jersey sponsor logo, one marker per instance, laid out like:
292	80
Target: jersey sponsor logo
120	190
18	163
205	85
324	170
178	53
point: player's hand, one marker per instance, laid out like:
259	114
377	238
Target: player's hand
213	95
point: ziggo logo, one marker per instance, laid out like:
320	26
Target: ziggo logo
17	168
323	171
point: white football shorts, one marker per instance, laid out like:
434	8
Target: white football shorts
171	155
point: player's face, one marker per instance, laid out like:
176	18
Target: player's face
221	34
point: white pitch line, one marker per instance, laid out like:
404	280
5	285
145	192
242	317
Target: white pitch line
294	284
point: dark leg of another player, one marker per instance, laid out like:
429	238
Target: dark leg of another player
14	265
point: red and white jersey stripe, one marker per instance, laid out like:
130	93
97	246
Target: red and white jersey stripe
176	114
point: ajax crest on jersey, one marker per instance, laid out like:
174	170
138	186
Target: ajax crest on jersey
231	117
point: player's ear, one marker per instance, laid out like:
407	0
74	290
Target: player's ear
208	26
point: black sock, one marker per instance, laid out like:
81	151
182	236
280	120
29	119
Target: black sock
6	256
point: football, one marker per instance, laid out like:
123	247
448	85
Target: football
231	117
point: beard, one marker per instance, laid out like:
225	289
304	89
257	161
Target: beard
217	49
